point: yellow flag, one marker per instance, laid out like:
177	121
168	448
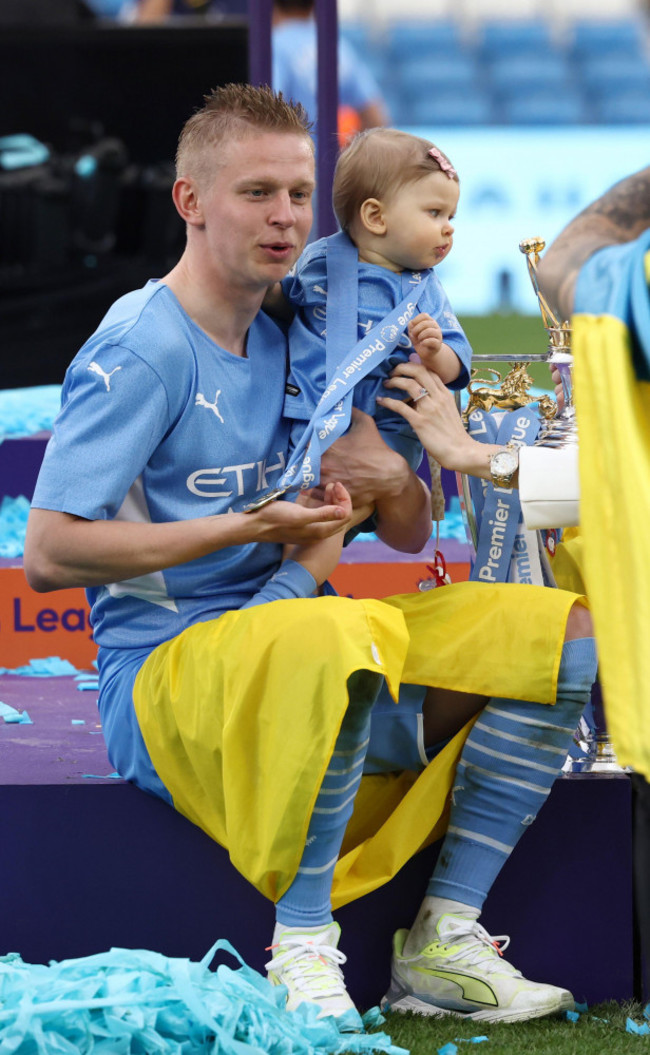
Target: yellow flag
613	411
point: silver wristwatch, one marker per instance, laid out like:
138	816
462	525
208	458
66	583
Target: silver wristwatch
504	465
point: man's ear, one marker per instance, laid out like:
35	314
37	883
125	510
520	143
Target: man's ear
371	215
185	195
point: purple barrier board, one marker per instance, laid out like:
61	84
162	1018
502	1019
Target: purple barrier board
90	862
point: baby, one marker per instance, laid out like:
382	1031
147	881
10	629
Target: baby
395	196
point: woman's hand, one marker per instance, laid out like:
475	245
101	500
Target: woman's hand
432	413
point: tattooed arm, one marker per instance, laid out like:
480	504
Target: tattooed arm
620	215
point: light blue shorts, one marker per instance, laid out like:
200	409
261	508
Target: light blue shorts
396	732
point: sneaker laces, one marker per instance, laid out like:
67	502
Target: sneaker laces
313	969
476	945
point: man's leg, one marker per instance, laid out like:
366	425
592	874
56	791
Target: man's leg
447	963
305	950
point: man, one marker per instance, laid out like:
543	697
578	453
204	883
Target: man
170	428
294	70
596	271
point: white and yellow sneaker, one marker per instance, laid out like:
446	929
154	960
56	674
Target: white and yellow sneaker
463	973
308	963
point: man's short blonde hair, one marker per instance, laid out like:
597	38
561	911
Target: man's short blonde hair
234	111
377	163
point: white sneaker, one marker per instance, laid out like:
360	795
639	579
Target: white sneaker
463	973
308	964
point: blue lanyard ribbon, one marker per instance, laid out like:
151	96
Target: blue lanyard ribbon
332	415
500	510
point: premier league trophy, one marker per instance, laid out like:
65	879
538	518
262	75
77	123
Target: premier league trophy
593	750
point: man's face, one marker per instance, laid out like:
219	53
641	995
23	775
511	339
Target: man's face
257	211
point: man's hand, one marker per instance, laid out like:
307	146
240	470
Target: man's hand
312	518
363	463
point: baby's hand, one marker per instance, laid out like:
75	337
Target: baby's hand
426	335
321	557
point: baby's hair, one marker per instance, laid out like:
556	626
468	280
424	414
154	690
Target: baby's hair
234	111
377	163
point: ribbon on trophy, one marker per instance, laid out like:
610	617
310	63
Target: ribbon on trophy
506	550
331	417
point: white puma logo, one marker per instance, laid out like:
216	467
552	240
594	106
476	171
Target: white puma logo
201	401
95	368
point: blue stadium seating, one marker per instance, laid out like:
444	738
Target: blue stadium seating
513	74
545	108
430	38
602	37
630	108
439	71
447	108
509	71
504	37
615	73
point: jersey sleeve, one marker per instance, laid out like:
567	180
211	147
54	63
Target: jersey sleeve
306	283
114	414
549	486
291	580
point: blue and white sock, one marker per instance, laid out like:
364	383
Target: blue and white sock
307	902
507	768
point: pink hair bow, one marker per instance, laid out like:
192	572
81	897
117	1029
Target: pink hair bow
445	165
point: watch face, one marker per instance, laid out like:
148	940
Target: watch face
504	463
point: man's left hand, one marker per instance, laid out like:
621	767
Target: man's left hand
363	463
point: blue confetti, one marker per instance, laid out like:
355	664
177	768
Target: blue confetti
448	1049
571	1016
49	667
77	721
633	1027
25	411
646	1011
372	1017
581	1007
131	1001
13	525
470	1040
13	717
101	776
85	686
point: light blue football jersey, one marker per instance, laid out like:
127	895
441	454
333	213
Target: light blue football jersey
158	423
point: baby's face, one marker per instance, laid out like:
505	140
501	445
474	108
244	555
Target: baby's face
418	217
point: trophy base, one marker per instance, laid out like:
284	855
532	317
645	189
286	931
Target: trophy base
599	758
